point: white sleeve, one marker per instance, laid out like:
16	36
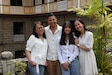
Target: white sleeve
75	53
30	43
90	41
59	52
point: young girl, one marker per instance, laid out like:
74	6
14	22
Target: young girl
68	52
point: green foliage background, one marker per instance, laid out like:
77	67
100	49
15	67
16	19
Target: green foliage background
98	11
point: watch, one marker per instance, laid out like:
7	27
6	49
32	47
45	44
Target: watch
69	61
78	45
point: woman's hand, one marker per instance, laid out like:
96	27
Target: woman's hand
81	46
32	63
76	42
46	64
65	65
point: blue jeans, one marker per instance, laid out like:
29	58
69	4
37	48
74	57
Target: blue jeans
33	70
73	68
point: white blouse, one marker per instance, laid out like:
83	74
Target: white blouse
38	49
67	52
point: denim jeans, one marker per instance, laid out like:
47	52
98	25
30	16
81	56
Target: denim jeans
74	68
33	70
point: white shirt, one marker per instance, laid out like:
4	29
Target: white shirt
67	52
52	40
38	49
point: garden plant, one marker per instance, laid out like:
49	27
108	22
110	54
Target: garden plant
101	14
20	68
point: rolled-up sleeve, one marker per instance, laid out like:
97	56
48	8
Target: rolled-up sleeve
30	43
74	54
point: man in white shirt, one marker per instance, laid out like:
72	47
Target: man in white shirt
53	34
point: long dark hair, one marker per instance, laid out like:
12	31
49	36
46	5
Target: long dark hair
63	36
34	29
77	33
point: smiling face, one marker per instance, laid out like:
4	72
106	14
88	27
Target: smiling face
78	26
39	29
67	29
52	20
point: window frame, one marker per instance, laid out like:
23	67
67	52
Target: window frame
16	2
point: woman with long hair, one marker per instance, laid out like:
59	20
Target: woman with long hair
88	65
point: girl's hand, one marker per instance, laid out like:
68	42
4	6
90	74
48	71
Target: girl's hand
65	65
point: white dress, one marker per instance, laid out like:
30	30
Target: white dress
88	65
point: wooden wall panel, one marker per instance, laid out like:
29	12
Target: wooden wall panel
6	2
6	9
55	6
75	3
37	2
27	10
51	6
69	4
27	2
82	3
45	8
16	10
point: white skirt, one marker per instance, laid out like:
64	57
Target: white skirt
88	65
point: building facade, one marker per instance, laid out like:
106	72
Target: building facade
17	18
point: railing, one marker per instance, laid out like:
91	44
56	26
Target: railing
9	65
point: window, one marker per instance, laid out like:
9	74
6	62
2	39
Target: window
34	2
18	27
19	54
55	0
16	2
18	31
43	2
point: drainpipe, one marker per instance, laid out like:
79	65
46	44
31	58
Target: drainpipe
48	5
78	4
1	7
